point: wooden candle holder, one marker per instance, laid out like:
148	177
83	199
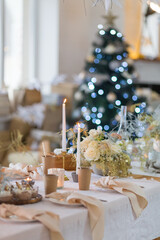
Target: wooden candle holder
63	160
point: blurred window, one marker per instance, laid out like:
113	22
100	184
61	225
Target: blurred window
13	42
28	42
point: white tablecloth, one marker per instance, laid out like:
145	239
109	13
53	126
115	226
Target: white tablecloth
120	223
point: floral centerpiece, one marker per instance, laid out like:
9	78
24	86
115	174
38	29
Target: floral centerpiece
153	127
151	139
99	149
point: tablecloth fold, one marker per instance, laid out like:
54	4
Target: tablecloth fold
134	192
48	219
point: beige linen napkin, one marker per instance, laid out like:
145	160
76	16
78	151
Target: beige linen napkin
49	219
134	192
95	210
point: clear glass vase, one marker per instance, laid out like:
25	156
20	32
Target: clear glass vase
123	123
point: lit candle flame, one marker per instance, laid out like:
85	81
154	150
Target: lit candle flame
65	100
78	124
28	179
155	7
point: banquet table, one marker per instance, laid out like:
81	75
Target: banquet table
120	221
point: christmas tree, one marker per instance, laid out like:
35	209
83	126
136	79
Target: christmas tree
107	82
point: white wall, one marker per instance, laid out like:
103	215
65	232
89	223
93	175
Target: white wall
63	37
48	32
78	30
1	43
58	36
149	71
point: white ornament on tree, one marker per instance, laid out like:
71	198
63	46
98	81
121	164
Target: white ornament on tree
84	87
114	64
78	78
110	49
129	61
101	109
77	113
117	117
90	59
111	97
78	96
126	75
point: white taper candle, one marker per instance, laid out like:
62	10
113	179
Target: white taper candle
78	149
64	125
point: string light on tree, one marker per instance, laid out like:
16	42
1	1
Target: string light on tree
118	102
108	79
114	78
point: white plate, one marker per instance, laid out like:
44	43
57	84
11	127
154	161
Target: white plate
63	202
15	219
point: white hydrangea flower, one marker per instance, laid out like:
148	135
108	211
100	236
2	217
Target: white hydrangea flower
92	154
93	132
93	144
84	144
